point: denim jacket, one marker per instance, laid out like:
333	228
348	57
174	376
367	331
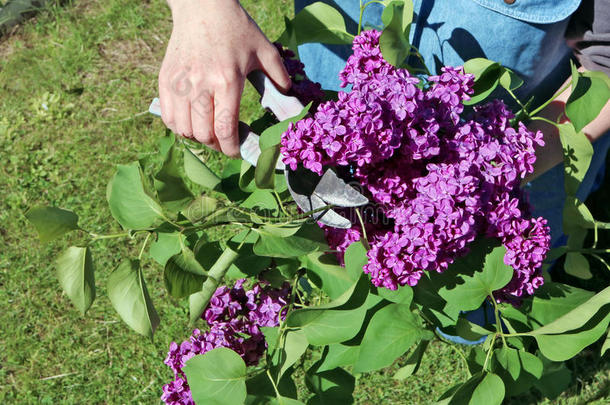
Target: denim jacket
526	36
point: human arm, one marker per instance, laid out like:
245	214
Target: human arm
588	35
551	153
213	46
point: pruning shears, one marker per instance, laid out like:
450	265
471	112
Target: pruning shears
310	191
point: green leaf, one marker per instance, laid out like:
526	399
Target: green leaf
329	387
308	239
590	93
577	155
183	274
129	203
264	174
282	230
217	377
576	215
198	172
180	283
554	300
469	330
338	355
273	135
577	317
517	368
246	177
556	378
390	333
336	321
577	265
413	362
394	40
470	291
321	23
432	305
167	245
199	301
487	77
481	388
76	276
231	177
52	222
169	181
263	202
324	271
129	296
290	39
200	208
355	259
564	346
247	263
510	80
403	295
606	344
490	391
294	344
262	392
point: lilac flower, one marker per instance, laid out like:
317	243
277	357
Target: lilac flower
234	317
441	178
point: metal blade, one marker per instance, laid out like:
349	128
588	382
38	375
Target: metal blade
249	148
281	105
334	190
301	184
329	217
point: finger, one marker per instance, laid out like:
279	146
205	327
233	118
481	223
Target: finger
202	120
226	115
271	63
167	112
182	113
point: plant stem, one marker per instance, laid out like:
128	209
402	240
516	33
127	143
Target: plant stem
111	236
542	119
279	201
365	239
362	8
277	393
517	100
491	349
498	320
462	356
144	245
549	101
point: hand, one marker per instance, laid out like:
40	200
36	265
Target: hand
213	46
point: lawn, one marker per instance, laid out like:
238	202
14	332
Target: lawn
74	87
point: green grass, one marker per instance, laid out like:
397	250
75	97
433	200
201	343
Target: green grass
72	83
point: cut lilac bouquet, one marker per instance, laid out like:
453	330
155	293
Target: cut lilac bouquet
441	177
447	231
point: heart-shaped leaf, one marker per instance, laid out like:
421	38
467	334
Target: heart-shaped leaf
76	276
129	297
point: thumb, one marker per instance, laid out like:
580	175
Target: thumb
271	63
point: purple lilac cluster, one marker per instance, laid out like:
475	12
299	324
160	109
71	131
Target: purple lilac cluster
441	178
234	317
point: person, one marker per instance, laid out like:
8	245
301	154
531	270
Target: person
214	44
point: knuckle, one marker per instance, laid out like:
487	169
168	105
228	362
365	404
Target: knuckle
203	137
202	103
224	125
226	79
